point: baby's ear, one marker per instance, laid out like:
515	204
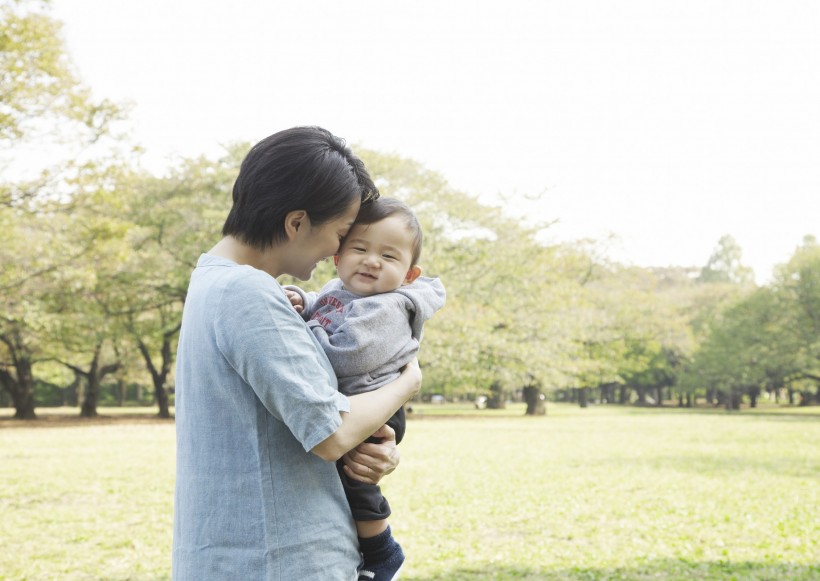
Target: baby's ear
412	274
336	260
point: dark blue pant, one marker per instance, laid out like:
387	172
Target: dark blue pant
366	500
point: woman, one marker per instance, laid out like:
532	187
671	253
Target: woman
260	421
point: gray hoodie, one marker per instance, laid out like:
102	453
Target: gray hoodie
369	339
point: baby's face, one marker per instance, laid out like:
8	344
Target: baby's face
376	258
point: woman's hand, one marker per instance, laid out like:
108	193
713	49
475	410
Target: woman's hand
369	462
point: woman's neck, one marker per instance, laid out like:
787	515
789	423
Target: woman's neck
266	260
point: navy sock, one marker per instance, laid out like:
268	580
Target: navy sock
380	548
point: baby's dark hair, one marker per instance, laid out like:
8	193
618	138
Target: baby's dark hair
381	208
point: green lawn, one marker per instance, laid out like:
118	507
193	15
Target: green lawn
601	493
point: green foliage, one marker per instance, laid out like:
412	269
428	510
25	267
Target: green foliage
518	311
97	255
767	339
798	288
725	264
505	318
39	86
46	237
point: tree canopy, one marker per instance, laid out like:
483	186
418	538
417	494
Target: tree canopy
97	252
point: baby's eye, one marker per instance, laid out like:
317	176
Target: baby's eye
358	249
389	256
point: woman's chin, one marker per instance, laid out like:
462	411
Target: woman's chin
306	275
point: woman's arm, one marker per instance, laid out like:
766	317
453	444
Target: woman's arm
369	412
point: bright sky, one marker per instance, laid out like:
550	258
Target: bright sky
667	123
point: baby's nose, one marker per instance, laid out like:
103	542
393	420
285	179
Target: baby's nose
372	260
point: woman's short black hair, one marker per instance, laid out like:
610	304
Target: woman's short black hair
303	168
378	210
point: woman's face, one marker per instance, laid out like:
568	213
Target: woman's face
322	241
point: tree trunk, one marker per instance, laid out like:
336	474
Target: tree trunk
753	398
623	399
733	400
608	392
88	409
688	399
659	403
20	388
160	376
92	389
20	385
162	402
496	399
24	405
582	397
93	379
72	391
121	389
535	401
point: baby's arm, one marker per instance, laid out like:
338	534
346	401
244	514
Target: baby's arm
302	302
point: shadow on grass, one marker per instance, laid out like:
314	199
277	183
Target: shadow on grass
662	569
725	465
74	420
790	413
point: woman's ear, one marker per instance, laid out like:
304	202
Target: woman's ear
412	274
295	221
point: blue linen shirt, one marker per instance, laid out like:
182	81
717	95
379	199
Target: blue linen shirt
255	393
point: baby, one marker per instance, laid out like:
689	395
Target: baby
369	321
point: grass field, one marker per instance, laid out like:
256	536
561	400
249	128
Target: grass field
601	493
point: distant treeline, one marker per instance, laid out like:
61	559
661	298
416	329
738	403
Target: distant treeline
96	254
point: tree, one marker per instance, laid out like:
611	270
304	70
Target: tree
506	323
725	264
798	285
742	355
536	404
40	90
173	219
40	97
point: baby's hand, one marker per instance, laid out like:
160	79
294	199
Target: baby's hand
295	300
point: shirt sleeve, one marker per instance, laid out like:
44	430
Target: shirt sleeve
268	345
375	330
